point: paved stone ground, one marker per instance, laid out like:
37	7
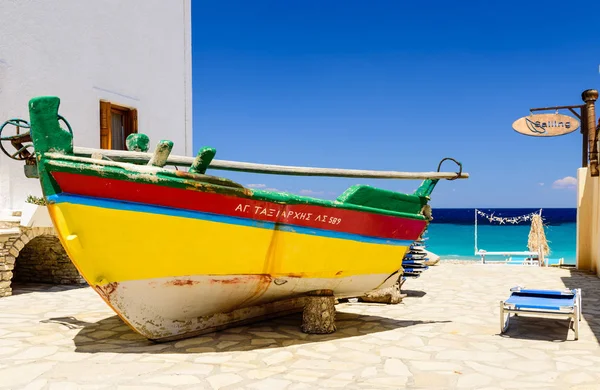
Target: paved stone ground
443	335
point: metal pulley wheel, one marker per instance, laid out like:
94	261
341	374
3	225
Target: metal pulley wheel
20	141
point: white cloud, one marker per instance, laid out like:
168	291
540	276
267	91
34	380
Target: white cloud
541	184
310	192
256	185
568	182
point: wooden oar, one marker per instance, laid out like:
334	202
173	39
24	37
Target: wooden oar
143	158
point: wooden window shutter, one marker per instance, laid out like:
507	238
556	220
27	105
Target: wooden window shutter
133	122
105	124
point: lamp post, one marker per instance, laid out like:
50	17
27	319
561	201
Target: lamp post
588	111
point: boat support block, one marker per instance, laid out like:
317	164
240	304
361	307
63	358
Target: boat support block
390	295
318	316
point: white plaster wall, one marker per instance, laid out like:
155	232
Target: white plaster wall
584	219
134	53
595	228
588	221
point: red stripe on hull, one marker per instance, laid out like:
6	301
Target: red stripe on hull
328	218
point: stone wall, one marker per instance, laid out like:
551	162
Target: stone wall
33	255
44	260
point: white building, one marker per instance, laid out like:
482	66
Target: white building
129	59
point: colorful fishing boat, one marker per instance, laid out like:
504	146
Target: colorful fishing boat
234	254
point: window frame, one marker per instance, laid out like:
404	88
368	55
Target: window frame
130	122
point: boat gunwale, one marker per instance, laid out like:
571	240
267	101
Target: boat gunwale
55	161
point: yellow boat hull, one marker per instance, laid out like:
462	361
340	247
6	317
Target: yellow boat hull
172	277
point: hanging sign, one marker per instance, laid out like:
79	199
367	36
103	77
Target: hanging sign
545	125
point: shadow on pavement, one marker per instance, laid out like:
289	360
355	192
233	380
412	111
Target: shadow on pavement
545	329
589	284
19	288
113	335
414	293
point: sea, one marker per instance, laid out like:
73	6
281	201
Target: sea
451	233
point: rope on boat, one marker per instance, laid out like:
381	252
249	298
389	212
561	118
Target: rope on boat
458	174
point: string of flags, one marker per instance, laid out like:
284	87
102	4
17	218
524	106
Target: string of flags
504	220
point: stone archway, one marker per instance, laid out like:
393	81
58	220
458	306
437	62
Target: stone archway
44	260
34	255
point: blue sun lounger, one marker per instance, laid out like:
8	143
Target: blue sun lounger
542	303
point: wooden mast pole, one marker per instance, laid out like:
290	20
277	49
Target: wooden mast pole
142	157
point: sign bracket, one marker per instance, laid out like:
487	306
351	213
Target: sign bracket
570	108
589	130
558	108
575	113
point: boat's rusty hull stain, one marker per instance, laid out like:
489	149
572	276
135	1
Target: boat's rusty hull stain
179	307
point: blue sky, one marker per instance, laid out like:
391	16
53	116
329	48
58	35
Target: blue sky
394	85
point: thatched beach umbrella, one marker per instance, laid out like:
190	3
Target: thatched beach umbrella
537	241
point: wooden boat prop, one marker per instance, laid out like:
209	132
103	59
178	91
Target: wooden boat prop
177	253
